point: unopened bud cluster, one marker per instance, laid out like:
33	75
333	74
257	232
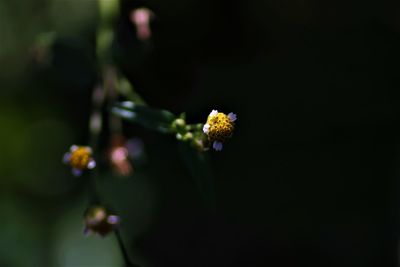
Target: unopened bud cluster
190	133
217	130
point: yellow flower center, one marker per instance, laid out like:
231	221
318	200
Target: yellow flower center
221	127
80	158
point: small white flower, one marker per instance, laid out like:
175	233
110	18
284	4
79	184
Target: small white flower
217	146
206	128
232	116
214	112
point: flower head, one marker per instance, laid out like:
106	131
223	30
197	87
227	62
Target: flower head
100	221
80	159
219	127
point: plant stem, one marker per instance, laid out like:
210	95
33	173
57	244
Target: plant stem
124	252
95	126
108	11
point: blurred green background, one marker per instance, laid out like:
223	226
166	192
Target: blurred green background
310	177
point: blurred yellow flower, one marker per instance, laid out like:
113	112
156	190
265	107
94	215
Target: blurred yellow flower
80	159
99	221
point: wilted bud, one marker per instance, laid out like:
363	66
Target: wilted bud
141	18
199	144
119	156
100	221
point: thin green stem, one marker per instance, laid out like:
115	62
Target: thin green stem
124	252
126	89
108	12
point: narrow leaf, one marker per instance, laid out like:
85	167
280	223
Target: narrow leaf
154	119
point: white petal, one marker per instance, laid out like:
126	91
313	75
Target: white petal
86	231
76	172
91	164
232	116
113	219
217	146
214	112
73	148
89	149
66	158
206	128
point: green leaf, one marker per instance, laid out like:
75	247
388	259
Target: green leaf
155	119
199	167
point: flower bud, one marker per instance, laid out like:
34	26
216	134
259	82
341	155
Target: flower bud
187	136
179	125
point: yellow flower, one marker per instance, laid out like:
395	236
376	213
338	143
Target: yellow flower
98	220
80	159
219	128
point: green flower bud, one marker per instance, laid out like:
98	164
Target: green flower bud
187	136
179	125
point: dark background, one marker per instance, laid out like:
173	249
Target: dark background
308	179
